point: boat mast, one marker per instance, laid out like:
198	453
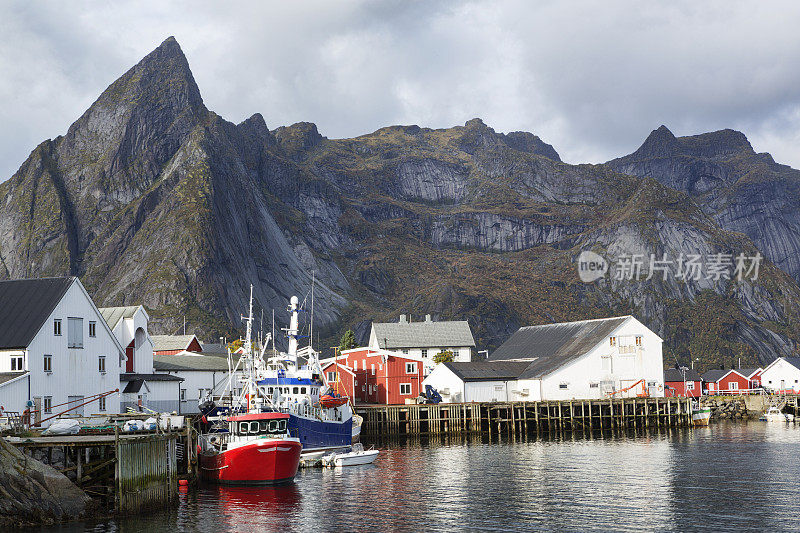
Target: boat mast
248	351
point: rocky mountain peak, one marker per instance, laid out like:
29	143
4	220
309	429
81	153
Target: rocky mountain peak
298	137
660	143
717	144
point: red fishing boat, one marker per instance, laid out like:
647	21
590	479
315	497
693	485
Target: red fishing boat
256	450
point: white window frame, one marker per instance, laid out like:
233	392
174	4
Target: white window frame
411	367
47	363
183	395
373	368
92	328
331	376
57	327
101	404
690	385
47	404
424	352
355	365
408	387
74	327
563	386
101	364
17	363
733	385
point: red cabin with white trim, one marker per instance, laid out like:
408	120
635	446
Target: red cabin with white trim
375	376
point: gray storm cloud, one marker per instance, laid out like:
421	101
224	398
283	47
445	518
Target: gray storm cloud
591	78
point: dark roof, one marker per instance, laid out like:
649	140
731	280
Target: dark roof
673	374
129	376
747	372
134	385
211	348
712	376
551	346
488	370
8	376
428	334
24	306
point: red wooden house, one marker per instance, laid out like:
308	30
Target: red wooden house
674	383
375	376
733	381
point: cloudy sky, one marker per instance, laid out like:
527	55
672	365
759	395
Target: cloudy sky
591	78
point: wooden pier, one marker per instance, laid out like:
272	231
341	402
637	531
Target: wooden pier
524	417
127	472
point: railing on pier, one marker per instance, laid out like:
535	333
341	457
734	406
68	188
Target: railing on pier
523	417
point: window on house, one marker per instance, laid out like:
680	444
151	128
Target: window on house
331	377
295	390
638	340
562	385
183	395
405	351
690	385
355	383
302	390
48	404
424	352
373	369
411	368
364	364
651	383
17	363
102	403
612	341
405	389
594	385
74	333
363	388
733	386
92	329
48	363
355	365
101	364
57	326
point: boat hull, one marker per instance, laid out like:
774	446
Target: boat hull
355	459
262	462
314	433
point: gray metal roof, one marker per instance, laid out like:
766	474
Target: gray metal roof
551	346
673	374
8	376
191	362
446	334
130	376
112	315
24	306
171	342
488	370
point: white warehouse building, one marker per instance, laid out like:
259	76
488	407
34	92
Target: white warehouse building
591	359
56	350
782	375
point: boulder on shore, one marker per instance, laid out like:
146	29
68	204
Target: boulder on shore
32	492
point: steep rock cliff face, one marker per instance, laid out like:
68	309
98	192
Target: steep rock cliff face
742	190
151	198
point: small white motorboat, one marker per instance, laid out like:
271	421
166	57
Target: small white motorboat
773	414
359	456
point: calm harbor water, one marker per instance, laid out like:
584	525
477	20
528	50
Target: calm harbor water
729	477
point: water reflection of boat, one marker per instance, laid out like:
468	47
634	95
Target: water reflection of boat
700	415
773	414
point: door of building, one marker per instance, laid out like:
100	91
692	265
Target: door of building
129	351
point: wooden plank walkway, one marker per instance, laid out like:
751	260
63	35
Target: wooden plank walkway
523	417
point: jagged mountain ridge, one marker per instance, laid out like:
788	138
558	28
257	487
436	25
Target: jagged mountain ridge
154	199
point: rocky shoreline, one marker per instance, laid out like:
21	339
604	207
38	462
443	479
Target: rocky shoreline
33	493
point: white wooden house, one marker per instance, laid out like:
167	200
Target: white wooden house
201	375
56	350
424	339
783	374
614	357
141	387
